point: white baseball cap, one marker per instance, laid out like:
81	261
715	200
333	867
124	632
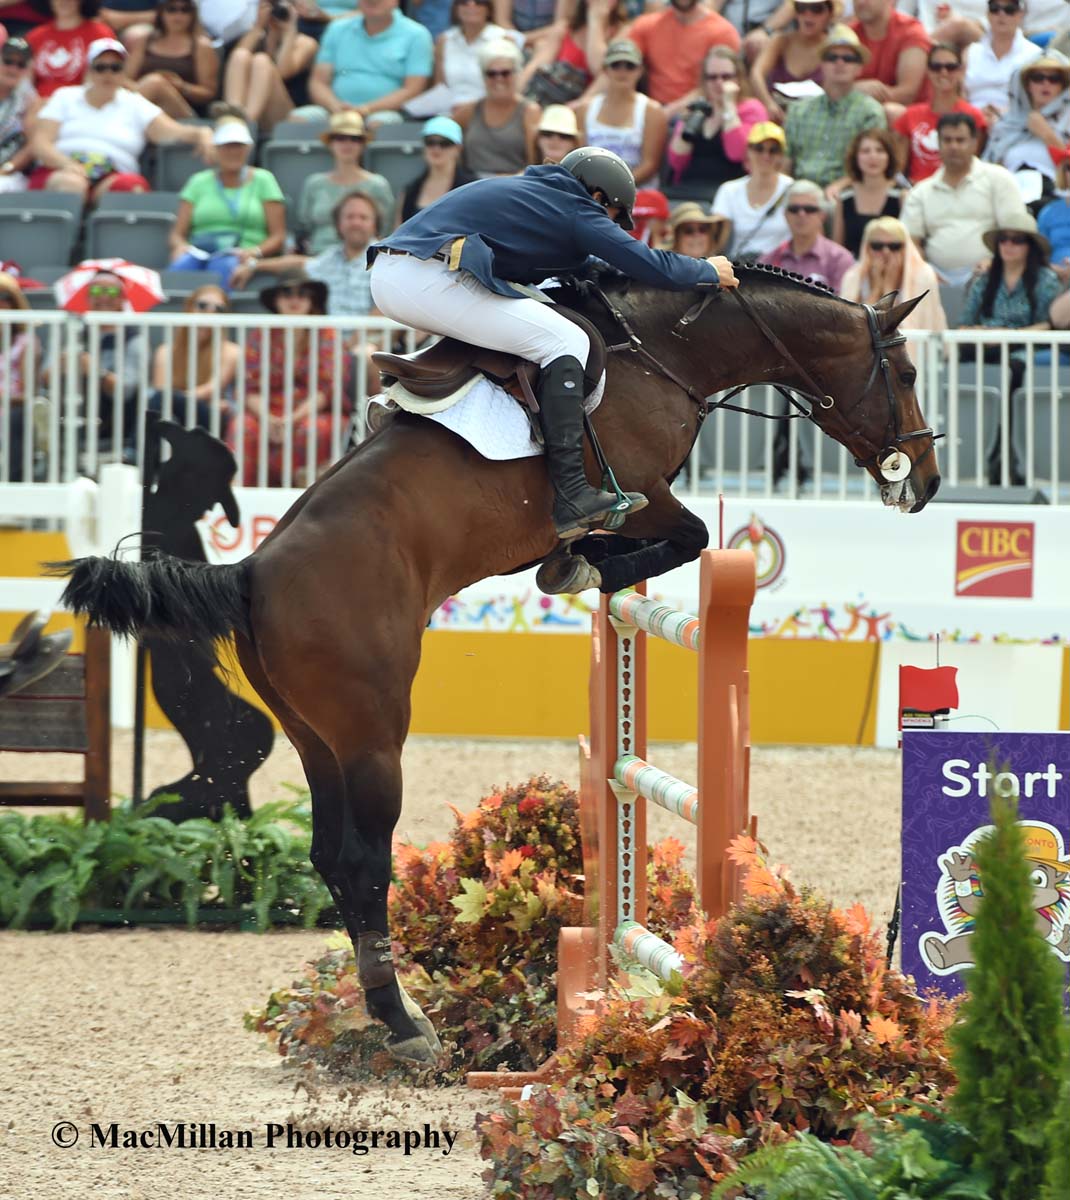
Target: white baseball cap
104	46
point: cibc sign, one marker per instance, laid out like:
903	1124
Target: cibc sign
994	558
949	780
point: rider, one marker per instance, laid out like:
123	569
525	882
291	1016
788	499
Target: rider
454	267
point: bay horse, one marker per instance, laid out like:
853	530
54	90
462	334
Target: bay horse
328	613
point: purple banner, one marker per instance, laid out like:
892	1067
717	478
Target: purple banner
947	787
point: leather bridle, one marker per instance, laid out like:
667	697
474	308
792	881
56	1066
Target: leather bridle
888	461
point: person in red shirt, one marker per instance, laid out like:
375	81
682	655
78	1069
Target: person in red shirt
916	126
674	44
59	46
898	46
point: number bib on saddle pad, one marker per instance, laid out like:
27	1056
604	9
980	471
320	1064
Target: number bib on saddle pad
490	420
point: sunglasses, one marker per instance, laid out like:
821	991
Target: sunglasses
893	246
1045	77
104	68
15	60
104	291
944	66
768	148
1015	239
294	292
437	143
7	299
622	64
692	230
726	75
209	306
505	73
841	58
809	209
1008	10
347	137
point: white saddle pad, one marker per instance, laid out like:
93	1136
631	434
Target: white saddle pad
492	422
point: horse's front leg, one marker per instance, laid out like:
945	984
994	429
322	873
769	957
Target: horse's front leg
665	535
358	870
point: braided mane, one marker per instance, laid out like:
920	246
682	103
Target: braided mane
767	271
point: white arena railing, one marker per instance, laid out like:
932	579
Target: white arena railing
73	428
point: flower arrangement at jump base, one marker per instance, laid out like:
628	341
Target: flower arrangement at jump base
475	922
820	1101
786	1018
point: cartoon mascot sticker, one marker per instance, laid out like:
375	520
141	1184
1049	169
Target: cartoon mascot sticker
959	896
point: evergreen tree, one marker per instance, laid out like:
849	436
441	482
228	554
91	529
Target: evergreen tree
1009	1048
1058	1178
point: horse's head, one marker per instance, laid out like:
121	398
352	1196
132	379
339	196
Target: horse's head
881	424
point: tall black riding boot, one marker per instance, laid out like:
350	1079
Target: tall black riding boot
578	507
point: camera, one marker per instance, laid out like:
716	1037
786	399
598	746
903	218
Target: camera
698	111
280	11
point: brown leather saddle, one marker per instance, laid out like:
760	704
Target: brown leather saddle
441	369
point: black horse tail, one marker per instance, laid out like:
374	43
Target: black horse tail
162	596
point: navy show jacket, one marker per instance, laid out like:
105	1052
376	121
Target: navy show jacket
529	227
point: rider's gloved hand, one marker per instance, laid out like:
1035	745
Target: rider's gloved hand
726	277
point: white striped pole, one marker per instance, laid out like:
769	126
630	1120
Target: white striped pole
661	620
658	786
647	949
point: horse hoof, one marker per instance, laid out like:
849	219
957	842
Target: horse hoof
567	574
415	1050
422	1023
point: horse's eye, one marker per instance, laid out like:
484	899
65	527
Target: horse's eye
908	377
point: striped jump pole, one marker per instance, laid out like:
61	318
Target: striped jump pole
617	781
623	781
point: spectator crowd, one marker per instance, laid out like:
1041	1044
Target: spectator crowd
871	147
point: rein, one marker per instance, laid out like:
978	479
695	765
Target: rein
891	464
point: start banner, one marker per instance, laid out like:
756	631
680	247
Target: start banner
948	782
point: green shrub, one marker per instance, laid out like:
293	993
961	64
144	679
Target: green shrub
58	870
1009	1049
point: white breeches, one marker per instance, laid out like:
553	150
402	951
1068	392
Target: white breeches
425	294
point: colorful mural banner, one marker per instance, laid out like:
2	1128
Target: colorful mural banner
948	782
838	571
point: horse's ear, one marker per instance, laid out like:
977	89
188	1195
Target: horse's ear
897	314
885	302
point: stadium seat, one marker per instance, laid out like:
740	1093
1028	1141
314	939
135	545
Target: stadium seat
400	161
298	131
292	162
175	162
132	225
39	227
181	283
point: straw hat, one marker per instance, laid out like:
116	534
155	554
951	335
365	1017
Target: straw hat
1049	61
349	122
559	118
1019	223
844	35
693	214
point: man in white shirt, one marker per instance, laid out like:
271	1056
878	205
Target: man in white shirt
949	213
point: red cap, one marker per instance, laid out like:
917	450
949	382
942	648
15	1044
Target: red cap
650	204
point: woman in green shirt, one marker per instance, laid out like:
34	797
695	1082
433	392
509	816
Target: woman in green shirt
346	138
230	214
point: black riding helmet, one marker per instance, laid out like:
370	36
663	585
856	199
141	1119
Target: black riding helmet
603	171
